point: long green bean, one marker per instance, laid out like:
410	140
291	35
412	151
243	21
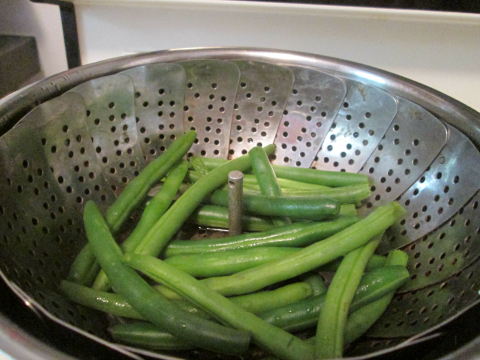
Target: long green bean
138	188
250	181
115	304
148	302
133	194
313	208
333	318
306	175
294	235
269	337
157	206
310	257
363	318
349	194
266	179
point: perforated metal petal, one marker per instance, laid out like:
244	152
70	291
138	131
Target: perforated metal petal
259	105
409	146
450	181
111	122
447	250
40	229
362	121
43	187
412	312
209	99
313	104
159	101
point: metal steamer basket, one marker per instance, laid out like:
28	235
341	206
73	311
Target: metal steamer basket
85	133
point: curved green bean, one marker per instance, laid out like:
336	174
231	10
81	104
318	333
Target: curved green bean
148	302
333	318
363	318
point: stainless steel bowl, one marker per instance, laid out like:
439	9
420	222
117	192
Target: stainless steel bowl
87	132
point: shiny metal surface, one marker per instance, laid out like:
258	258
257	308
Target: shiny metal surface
448	183
159	100
409	146
360	124
259	104
311	108
110	110
262	94
211	86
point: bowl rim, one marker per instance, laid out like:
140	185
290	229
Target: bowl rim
452	111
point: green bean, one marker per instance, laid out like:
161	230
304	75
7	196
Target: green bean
363	318
115	304
304	314
350	194
269	337
138	188
147	336
106	302
227	262
164	229
311	257
157	206
306	175
214	216
333	318
148	302
314	208
250	181
133	194
266	179
321	177
294	235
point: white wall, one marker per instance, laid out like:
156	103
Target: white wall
22	17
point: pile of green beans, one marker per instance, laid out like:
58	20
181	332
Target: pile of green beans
234	294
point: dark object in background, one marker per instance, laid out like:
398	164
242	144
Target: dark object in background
466	6
19	62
